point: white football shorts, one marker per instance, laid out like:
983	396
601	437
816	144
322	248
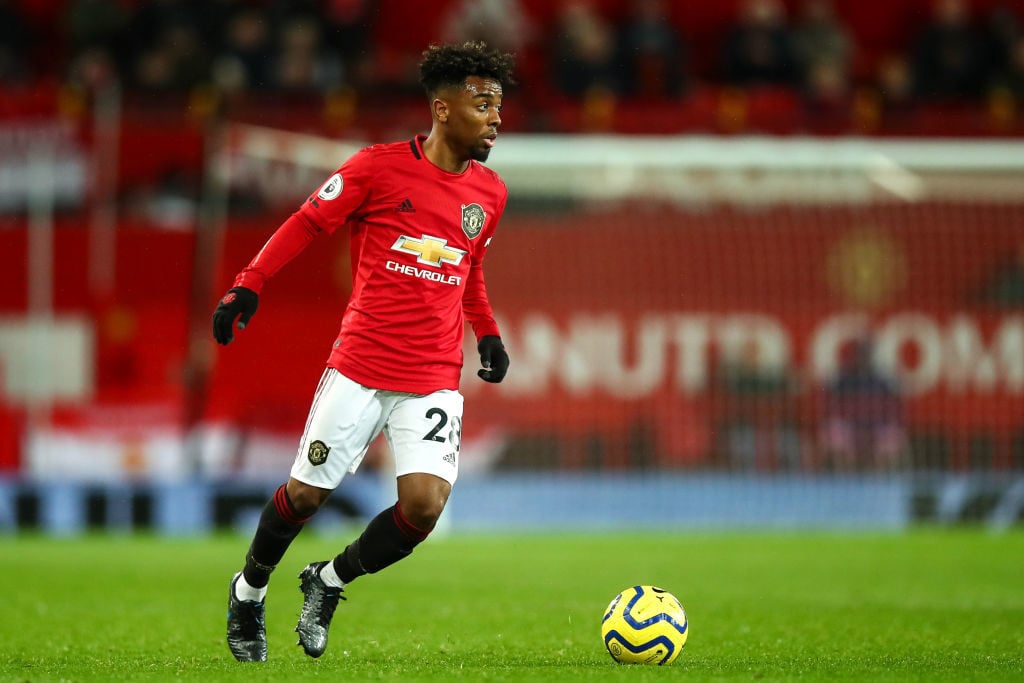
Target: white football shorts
424	432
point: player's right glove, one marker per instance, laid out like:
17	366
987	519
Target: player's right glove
494	359
239	301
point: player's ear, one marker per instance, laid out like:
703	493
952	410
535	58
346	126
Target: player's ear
440	110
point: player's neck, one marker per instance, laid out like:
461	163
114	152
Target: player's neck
442	155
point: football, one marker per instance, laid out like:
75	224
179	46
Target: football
644	625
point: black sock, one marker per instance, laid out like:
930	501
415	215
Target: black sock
278	527
388	538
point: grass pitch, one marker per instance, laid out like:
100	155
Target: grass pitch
923	606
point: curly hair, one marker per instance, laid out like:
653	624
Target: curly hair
446	65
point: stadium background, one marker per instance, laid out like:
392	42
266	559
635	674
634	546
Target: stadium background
678	308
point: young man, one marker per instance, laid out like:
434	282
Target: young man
420	215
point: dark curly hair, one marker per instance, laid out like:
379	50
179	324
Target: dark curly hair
445	65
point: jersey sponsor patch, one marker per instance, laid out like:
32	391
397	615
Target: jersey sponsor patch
431	251
423	273
318	451
473	218
332	188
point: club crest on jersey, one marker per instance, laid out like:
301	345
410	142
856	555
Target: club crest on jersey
318	451
473	218
332	188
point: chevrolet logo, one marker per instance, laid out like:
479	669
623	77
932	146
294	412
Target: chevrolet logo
432	251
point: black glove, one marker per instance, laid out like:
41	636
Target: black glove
238	300
493	358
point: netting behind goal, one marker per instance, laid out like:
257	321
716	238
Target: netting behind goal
811	338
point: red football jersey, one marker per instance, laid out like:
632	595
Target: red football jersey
419	235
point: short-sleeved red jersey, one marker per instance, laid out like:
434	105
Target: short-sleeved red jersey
419	235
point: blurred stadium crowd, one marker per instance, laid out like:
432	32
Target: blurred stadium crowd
826	66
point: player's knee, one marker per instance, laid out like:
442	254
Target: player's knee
423	508
306	499
422	498
422	511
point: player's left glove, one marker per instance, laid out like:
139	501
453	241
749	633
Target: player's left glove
494	359
239	301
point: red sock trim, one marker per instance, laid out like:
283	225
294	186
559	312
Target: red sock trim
284	507
410	530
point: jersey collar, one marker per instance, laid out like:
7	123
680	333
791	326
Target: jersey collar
416	145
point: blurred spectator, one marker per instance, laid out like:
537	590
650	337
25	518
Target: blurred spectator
154	70
827	96
15	42
97	25
348	28
760	430
823	49
895	89
583	51
302	63
502	24
862	426
895	83
820	38
92	70
1002	31
1006	88
758	48
1007	285
681	434
244	60
949	56
653	52
175	41
175	61
1010	78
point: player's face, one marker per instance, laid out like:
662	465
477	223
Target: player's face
475	115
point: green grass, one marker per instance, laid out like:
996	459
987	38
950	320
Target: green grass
923	606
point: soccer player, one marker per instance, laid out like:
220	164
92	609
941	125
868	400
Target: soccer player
420	215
